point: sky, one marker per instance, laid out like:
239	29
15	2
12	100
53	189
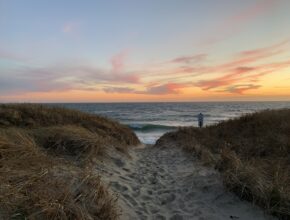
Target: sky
144	50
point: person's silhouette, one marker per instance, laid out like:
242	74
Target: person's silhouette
200	120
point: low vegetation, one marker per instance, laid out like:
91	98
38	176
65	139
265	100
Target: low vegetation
45	158
251	152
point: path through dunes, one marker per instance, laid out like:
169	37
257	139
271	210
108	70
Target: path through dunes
165	183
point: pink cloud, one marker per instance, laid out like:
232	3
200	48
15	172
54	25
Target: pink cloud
190	59
118	61
70	27
167	88
7	55
225	80
252	12
118	68
235	23
243	59
63	77
127	78
266	51
251	56
243	69
242	74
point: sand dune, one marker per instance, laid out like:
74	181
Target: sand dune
165	183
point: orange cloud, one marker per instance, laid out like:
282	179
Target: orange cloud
178	76
242	74
242	59
151	89
240	89
168	88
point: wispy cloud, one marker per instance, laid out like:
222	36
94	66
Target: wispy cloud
240	89
70	27
118	90
7	55
251	12
238	63
118	61
190	59
266	51
248	57
243	72
152	89
234	75
168	88
238	20
62	77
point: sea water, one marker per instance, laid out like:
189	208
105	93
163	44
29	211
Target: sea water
151	120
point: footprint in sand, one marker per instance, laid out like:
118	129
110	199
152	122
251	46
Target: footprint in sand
118	162
119	187
176	217
131	200
166	184
159	217
167	198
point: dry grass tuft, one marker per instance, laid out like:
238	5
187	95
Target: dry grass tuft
40	152
39	116
35	185
252	153
70	141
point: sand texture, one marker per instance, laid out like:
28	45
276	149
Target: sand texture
166	183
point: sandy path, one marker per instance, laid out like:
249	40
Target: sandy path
165	183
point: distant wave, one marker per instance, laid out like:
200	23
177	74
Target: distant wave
150	127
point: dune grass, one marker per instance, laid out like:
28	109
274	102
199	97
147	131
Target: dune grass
251	152
36	116
45	158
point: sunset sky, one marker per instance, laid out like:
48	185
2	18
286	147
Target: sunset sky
144	50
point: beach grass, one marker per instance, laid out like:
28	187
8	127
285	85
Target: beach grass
251	152
46	161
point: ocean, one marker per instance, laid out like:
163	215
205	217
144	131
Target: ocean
151	120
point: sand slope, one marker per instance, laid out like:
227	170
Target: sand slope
165	183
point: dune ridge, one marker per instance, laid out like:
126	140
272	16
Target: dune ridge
251	152
47	158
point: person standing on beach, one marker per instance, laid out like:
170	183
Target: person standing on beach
200	120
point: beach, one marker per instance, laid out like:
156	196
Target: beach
145	110
163	182
59	163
